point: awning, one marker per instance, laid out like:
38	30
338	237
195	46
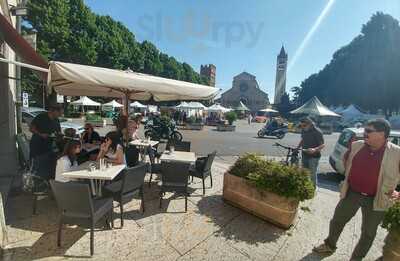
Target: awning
75	79
21	47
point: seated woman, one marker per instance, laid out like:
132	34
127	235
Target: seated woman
69	134
90	140
68	160
111	149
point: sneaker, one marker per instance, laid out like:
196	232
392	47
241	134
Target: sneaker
323	249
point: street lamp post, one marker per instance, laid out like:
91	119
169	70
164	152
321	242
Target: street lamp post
19	11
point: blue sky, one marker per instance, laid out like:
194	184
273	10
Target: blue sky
238	35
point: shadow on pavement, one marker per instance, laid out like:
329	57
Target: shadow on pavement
330	180
241	227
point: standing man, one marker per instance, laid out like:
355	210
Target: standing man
312	142
372	173
46	131
249	118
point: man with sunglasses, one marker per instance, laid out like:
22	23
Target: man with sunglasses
312	142
371	176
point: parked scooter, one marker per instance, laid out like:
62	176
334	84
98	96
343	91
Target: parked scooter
161	129
279	132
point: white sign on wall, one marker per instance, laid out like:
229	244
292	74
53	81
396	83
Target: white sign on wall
25	99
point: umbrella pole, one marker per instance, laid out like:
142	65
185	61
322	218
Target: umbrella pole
126	105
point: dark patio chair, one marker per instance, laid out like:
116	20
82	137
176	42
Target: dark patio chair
174	178
202	168
125	189
155	168
180	145
33	184
77	207
131	156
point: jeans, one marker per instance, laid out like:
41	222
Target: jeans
345	210
312	165
45	165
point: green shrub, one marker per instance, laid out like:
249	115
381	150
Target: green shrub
191	120
93	117
231	117
287	181
391	221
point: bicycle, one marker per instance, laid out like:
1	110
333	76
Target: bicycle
292	155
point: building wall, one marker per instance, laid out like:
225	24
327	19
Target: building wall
8	153
245	88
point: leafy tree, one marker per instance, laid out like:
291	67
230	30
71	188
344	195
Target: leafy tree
364	72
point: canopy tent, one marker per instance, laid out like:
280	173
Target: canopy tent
314	107
268	110
196	105
113	104
182	105
217	108
137	104
85	101
241	107
76	79
352	112
338	109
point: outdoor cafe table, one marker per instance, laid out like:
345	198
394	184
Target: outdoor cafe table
96	177
89	148
142	144
181	156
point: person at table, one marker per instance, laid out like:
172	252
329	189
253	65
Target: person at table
69	160
91	141
111	149
90	136
69	134
46	131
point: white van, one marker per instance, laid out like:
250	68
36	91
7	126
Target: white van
345	139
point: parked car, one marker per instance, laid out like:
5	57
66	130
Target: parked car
347	136
28	114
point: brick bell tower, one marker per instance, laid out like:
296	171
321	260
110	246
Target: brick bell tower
209	71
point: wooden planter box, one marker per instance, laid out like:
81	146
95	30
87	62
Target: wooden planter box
226	127
391	249
194	126
278	210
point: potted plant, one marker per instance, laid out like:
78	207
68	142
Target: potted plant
193	123
391	221
267	189
230	117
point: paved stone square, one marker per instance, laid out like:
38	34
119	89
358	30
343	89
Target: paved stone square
210	230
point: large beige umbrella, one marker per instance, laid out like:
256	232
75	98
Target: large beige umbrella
76	79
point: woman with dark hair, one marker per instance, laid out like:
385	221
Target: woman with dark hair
68	160
111	149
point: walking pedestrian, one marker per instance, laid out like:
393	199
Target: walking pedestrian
249	118
312	142
371	176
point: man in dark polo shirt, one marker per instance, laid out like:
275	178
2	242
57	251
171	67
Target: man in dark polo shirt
44	149
372	173
312	142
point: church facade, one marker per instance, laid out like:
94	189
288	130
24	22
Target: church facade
245	89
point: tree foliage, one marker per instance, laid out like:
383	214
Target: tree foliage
67	30
364	72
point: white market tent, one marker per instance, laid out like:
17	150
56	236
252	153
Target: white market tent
314	107
268	110
85	101
113	104
137	104
217	108
351	112
182	105
76	79
196	105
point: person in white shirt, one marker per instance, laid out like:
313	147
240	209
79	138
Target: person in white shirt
111	149
68	160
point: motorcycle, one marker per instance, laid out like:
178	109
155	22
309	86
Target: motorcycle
162	130
278	132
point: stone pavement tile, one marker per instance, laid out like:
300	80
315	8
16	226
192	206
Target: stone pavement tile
214	248
21	207
312	229
253	236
